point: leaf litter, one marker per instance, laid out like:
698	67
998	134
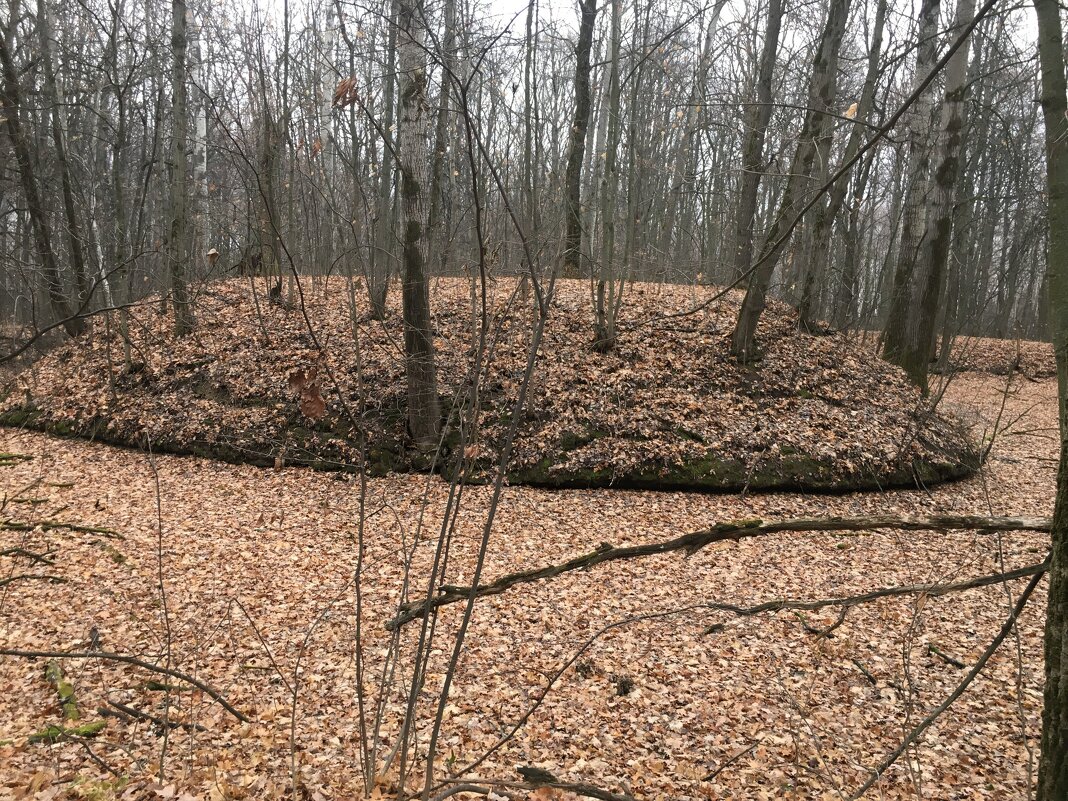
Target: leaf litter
257	569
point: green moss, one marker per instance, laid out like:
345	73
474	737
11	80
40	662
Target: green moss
53	734
98	789
23	417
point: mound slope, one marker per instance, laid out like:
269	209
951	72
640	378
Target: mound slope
666	409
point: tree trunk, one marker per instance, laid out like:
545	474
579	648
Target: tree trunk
933	258
381	255
759	115
42	232
821	95
577	144
177	241
824	222
59	140
1053	764
605	306
919	163
424	416
441	134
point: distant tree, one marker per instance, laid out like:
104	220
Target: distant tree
36	210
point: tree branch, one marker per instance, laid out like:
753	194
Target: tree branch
131	660
930	590
721	532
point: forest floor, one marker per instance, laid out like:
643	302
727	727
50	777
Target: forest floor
244	577
260	382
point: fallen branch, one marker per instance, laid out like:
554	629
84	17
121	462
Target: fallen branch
129	712
55	734
35	558
721	532
24	576
930	590
727	763
825	631
48	525
475	785
131	660
949	660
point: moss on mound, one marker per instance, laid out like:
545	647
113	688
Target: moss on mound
667	409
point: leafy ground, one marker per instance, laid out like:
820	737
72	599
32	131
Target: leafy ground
666	409
257	568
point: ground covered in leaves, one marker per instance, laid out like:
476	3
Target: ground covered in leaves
265	382
244	579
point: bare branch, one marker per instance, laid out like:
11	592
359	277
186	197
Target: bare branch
721	532
131	660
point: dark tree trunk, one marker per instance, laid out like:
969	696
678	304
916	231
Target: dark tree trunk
577	144
424	411
758	117
177	241
820	99
1053	765
912	222
933	258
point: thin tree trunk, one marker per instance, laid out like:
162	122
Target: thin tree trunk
381	255
424	415
441	133
604	332
572	256
752	157
59	140
177	242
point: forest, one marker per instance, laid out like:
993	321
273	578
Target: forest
453	399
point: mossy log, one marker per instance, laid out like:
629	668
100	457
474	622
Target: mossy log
55	734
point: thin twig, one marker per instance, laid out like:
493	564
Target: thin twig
131	660
924	724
